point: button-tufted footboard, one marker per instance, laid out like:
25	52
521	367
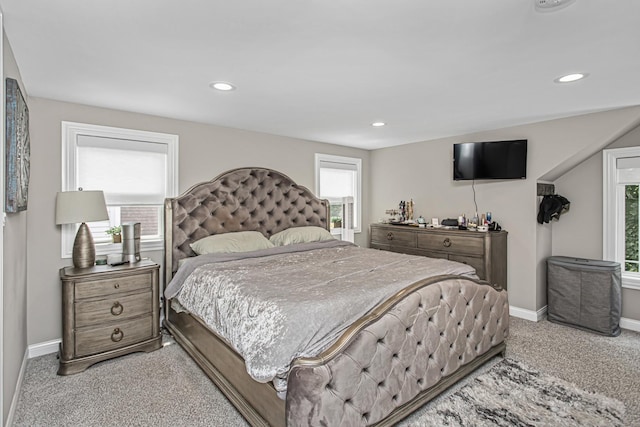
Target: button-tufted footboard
408	347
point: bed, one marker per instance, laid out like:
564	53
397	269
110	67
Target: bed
402	350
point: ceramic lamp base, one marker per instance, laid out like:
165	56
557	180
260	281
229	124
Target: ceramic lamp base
84	251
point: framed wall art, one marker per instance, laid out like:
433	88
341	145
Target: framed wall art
17	150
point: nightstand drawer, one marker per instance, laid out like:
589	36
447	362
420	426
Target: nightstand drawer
115	335
113	308
103	287
451	243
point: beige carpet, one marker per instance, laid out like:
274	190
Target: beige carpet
605	365
166	388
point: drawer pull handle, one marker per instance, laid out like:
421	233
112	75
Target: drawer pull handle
389	236
117	285
117	309
446	243
117	335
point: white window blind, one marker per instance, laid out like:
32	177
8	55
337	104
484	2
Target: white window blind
337	179
129	172
628	170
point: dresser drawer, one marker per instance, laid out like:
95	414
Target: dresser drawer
405	250
434	254
394	237
115	307
114	335
96	288
475	262
378	235
451	243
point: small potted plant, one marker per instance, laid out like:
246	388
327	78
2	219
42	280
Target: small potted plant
115	233
336	222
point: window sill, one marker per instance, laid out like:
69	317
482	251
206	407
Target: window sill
631	282
116	248
339	233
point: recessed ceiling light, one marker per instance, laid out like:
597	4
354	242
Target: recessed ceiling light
378	124
223	86
571	78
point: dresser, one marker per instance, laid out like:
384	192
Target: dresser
108	311
485	251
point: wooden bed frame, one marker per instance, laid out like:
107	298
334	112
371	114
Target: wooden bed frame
268	201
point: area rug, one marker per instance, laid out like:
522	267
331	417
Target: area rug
512	394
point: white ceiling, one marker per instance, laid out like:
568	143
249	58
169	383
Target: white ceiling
325	70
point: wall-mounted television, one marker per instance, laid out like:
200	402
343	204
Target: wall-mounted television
490	160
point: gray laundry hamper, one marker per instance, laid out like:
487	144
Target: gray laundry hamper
584	293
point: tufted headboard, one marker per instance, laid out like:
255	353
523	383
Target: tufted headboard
245	199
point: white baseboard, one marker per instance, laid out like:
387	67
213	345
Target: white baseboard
630	324
16	393
536	316
43	348
522	313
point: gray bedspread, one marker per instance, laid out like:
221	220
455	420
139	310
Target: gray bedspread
278	304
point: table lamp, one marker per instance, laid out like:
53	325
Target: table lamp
73	207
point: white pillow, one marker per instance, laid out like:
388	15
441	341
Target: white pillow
241	241
300	235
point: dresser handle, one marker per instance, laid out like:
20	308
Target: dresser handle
446	243
117	335
117	309
117	285
389	236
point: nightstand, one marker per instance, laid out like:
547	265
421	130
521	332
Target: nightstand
108	312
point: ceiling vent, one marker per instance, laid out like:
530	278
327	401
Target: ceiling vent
552	5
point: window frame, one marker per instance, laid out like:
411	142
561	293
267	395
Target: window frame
354	161
613	249
70	133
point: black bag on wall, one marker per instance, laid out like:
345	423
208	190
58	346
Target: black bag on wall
552	206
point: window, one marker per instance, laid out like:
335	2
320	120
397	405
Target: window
338	179
136	170
621	219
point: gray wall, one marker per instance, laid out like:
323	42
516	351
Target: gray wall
205	151
423	171
584	183
14	310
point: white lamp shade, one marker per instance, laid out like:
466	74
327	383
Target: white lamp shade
80	206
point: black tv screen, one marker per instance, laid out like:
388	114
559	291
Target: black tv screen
490	160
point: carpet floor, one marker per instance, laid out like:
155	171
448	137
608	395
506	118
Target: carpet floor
166	388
